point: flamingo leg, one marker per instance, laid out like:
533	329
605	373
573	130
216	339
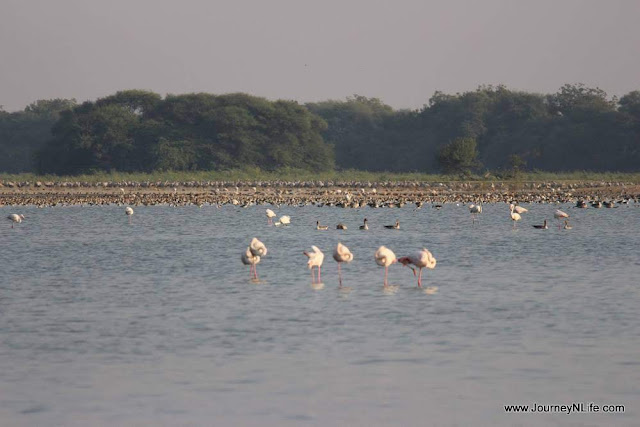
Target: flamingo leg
386	272
340	274
318	274
255	272
420	278
313	278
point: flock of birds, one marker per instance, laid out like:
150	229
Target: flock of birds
384	257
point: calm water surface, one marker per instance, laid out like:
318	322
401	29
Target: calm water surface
108	323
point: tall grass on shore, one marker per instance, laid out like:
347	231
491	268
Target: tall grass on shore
256	174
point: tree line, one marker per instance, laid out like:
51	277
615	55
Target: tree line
492	128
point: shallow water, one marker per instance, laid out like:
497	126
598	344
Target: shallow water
103	322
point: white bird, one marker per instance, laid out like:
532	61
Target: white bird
129	212
270	215
519	209
342	254
257	247
422	259
514	216
315	260
559	215
15	218
385	257
284	220
250	259
475	210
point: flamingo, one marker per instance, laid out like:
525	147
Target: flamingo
284	220
474	210
15	218
543	226
250	259
321	227
257	247
514	216
558	214
396	226
315	260
270	215
364	226
342	254
385	257
519	209
422	259
129	212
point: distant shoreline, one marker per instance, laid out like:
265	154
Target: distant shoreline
352	194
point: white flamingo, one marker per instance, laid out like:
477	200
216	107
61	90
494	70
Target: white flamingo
421	259
515	217
315	260
270	215
129	212
385	257
474	210
559	215
284	220
519	209
15	218
250	259
257	247
342	254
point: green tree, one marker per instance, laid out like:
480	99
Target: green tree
459	156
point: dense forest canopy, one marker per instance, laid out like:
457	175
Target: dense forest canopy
495	128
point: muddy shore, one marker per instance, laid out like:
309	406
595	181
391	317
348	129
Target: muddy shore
325	193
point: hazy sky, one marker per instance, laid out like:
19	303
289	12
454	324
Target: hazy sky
398	50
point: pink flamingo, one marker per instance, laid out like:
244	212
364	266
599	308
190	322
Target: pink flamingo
385	257
250	259
315	260
342	254
422	259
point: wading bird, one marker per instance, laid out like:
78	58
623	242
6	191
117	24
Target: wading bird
15	218
270	215
558	214
474	210
385	257
422	259
129	212
342	254
315	260
514	216
250	259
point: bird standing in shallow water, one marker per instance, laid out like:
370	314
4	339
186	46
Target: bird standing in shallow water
342	254
474	210
422	259
315	260
257	249
270	215
15	219
559	215
250	259
514	216
129	213
385	257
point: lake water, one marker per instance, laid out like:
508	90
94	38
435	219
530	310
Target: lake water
107	323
